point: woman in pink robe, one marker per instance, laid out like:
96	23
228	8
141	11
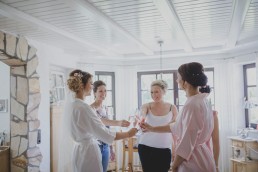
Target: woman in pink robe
193	128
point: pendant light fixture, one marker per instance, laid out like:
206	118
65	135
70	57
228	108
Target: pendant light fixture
160	42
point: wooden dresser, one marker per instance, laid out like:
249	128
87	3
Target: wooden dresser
4	159
242	151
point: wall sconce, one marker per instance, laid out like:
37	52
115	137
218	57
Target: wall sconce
249	105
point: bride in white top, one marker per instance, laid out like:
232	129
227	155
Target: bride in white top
155	148
84	127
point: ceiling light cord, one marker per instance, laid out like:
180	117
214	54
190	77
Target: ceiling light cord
160	58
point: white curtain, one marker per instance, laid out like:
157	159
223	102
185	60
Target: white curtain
229	104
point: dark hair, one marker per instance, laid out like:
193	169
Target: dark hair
78	80
97	84
193	73
205	89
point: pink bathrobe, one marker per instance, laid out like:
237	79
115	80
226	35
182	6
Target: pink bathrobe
192	133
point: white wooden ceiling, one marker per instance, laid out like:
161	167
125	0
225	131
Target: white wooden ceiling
125	29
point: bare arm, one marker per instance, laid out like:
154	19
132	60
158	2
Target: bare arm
175	113
215	139
123	135
144	110
109	122
159	129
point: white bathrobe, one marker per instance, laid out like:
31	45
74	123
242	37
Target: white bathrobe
86	128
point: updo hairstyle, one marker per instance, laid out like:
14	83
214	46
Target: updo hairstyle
193	73
97	84
161	83
205	89
78	80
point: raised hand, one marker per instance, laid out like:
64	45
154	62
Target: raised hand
124	123
132	132
145	127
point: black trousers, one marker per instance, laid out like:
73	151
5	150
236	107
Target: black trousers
154	159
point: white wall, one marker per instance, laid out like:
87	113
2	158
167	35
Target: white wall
48	56
228	75
5	94
127	100
126	88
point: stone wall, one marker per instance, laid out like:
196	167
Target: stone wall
25	100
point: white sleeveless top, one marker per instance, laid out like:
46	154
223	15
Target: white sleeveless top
157	140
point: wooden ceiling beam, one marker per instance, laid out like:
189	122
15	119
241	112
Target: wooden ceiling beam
169	14
18	16
238	17
89	10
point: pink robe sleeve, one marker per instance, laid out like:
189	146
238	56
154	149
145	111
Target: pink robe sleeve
192	124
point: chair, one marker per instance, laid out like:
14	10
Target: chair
130	147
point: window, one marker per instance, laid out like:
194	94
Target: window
250	93
109	79
145	79
57	87
173	95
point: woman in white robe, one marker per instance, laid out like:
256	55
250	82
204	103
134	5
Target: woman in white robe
86	127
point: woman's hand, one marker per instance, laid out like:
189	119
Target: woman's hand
123	123
146	127
132	132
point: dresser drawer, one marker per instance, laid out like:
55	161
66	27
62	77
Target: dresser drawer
237	143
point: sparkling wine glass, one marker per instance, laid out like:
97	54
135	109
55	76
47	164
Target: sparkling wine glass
132	121
139	119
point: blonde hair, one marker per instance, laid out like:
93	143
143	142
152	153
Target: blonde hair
161	83
78	80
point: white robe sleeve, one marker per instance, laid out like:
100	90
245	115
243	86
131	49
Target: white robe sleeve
87	122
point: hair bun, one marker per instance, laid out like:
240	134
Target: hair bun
193	73
205	89
74	83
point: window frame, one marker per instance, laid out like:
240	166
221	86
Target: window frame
112	74
175	86
245	68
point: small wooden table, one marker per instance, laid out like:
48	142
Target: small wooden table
130	153
130	148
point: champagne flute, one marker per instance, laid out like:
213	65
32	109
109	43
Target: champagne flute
131	120
140	119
